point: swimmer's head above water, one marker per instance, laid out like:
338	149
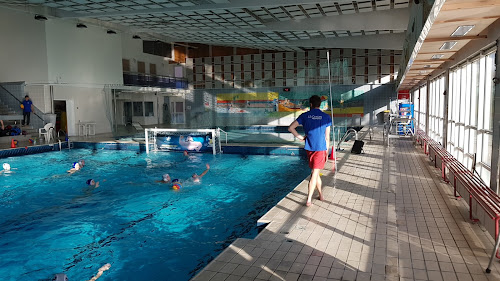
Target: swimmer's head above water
166	178
6	166
90	182
195	177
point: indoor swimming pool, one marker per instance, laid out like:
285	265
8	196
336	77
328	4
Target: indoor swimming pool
52	222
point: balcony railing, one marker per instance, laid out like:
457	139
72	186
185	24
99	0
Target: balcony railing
148	80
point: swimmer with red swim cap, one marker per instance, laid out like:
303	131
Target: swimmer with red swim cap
176	183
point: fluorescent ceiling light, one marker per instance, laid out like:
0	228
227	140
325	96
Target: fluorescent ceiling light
436	57
462	30
448	45
423	71
427	66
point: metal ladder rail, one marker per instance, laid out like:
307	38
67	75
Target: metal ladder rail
347	133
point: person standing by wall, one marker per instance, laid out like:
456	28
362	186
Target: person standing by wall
316	125
27	107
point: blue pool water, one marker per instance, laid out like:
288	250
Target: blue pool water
51	222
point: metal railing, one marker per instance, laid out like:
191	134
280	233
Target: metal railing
12	102
346	135
223	132
150	80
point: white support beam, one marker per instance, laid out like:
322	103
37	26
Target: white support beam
395	19
392	41
235	4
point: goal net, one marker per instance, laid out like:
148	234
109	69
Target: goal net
191	140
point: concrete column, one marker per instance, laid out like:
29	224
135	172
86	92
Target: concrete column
427	93
445	106
496	125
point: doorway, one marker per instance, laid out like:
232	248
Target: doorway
61	116
177	112
127	112
166	111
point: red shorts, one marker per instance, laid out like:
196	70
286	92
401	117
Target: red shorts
317	159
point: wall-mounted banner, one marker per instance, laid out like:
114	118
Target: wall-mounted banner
190	142
247	103
274	104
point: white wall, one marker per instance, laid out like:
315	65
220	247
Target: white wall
82	55
132	50
89	105
23	51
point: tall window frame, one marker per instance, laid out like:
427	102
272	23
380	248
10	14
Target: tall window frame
470	113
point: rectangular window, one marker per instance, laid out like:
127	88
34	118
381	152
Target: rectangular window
157	48
141	67
126	65
488	93
470	114
423	107
138	110
149	109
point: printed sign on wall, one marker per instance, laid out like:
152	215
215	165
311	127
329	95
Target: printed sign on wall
196	143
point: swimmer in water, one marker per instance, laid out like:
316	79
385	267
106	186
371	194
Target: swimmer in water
176	184
165	179
6	168
197	178
76	167
91	182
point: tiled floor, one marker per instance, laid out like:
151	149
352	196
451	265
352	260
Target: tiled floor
386	216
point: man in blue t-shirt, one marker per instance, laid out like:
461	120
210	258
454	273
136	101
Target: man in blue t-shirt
27	106
316	125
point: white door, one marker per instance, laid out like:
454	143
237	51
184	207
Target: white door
177	110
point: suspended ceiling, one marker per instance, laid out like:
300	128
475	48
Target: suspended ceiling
452	14
264	24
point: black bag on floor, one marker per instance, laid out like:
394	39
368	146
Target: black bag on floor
357	147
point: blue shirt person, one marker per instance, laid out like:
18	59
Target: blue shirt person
316	125
27	107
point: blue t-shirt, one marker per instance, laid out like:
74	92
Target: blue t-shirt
27	105
315	123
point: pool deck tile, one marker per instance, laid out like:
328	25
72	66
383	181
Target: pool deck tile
387	215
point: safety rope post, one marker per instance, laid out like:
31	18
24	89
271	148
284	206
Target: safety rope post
333	155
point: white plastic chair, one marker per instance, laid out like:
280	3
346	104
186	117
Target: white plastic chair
47	131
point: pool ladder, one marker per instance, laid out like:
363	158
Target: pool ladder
346	135
70	144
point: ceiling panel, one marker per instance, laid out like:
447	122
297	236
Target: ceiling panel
220	21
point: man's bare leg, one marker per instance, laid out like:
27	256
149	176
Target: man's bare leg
318	186
313	183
